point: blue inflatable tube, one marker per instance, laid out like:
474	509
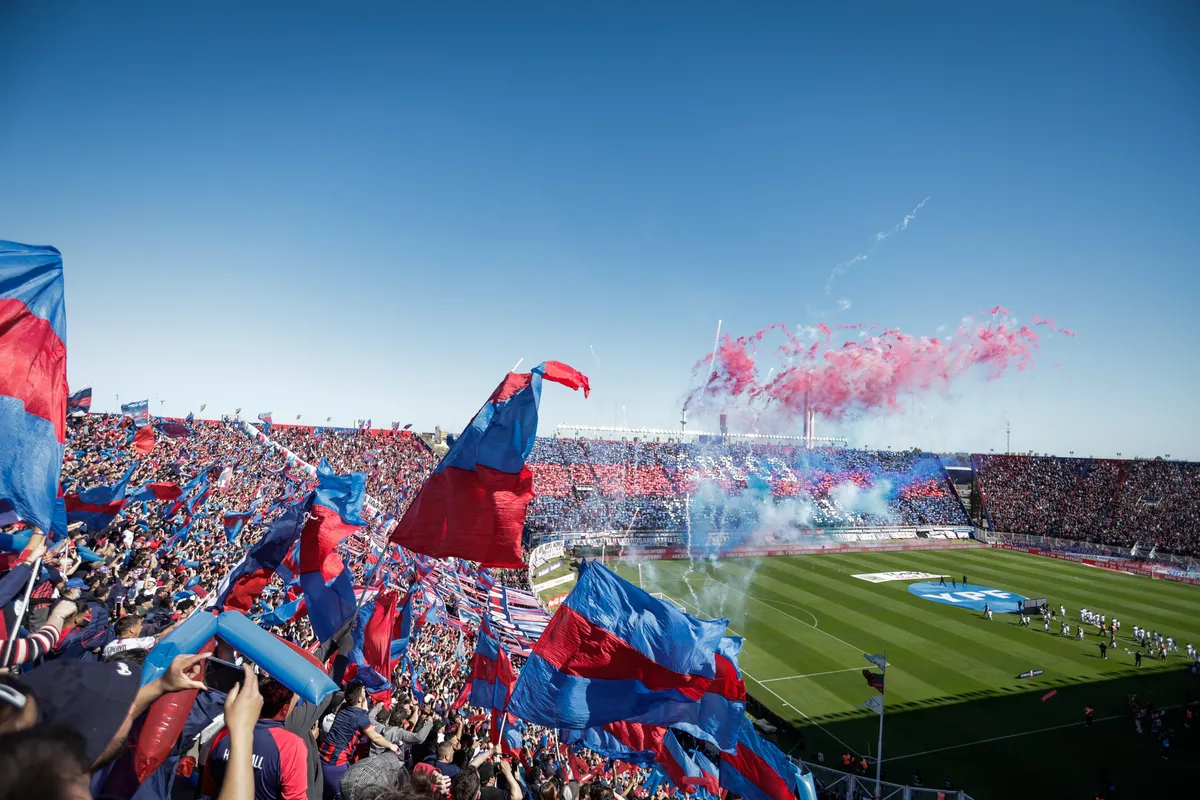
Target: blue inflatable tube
276	658
188	638
87	554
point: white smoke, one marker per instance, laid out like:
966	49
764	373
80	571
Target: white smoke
902	225
851	497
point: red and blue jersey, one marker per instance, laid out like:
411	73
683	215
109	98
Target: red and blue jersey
344	735
280	760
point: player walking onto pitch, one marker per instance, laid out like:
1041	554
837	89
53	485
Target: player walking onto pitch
1080	636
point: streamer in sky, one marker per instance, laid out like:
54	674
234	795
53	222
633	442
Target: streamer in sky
855	377
902	225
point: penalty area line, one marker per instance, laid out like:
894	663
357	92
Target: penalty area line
812	675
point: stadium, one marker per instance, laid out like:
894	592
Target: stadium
817	556
364	434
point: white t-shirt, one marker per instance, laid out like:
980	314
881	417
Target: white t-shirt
121	645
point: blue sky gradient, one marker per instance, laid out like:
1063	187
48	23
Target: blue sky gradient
376	209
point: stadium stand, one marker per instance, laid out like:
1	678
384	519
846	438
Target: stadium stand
594	485
1111	502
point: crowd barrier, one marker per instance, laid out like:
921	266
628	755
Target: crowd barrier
1158	572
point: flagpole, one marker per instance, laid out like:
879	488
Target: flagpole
879	745
13	634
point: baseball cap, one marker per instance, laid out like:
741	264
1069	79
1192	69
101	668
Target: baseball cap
486	771
93	699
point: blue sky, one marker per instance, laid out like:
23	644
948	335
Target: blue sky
376	209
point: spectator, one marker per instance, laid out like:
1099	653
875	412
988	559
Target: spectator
280	757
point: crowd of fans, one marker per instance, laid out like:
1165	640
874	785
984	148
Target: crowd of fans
1121	503
594	485
72	709
396	462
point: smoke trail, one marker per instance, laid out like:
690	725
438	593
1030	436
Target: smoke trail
856	377
903	225
843	267
594	355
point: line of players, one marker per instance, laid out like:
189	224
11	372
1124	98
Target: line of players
1151	640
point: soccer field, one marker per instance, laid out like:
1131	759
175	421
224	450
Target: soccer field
956	707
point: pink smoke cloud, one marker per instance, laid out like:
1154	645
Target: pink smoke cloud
857	376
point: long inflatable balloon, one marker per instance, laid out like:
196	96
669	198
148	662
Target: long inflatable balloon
276	658
163	724
87	554
309	657
188	638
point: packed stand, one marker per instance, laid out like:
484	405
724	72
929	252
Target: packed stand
396	462
1112	502
71	704
587	485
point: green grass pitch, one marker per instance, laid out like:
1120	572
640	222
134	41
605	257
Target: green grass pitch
956	707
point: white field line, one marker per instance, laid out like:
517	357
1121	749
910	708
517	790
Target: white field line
790	616
1015	735
813	674
849	749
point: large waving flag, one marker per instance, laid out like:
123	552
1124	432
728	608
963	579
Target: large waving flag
233	523
246	581
473	505
612	652
156	491
336	513
709	780
173	429
758	770
98	506
377	634
402	630
80	402
625	741
716	716
366	672
138	411
143	440
492	678
33	379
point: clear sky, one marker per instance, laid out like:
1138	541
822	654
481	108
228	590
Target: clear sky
375	209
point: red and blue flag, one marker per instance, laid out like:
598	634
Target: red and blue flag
611	653
138	411
80	402
33	379
403	628
492	677
234	522
98	507
246	581
156	491
473	505
758	770
335	513
174	430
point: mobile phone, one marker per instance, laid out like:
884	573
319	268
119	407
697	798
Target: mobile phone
232	665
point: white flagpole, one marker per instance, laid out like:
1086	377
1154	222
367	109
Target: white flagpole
16	629
879	746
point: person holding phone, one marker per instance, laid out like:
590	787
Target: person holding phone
279	757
